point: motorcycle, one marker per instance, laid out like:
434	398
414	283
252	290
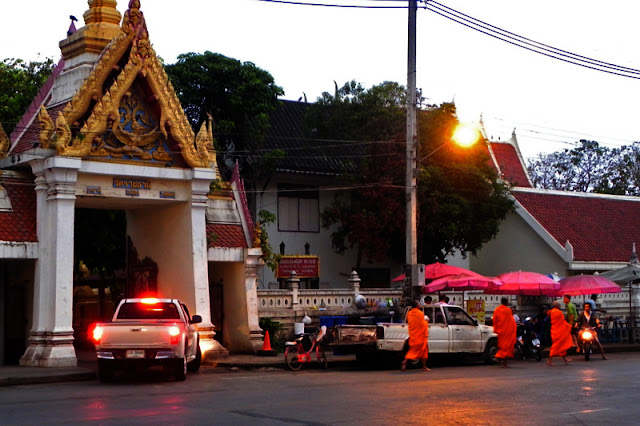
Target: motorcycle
527	342
587	337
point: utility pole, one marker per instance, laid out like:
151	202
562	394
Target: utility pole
412	136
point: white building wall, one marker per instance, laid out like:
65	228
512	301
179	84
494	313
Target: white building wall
517	247
334	268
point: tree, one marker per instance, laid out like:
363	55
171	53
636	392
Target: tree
460	200
20	82
589	167
239	95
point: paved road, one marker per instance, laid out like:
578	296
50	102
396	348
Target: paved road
597	392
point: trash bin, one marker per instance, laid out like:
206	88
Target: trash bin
340	320
327	320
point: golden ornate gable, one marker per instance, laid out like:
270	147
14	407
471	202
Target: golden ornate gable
5	142
127	109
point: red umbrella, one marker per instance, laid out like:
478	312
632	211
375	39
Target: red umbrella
587	284
527	284
438	270
462	282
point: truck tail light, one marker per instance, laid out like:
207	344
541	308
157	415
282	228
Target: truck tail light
97	334
174	332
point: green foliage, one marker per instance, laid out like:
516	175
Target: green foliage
276	332
589	167
460	201
20	82
239	96
270	258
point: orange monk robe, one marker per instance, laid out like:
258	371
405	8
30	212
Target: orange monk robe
505	327
560	333
418	335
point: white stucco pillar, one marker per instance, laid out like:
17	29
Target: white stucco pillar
252	262
51	338
199	190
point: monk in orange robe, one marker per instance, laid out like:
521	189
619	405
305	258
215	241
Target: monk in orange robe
561	339
505	327
418	336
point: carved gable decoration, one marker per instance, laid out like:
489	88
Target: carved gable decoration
4	142
127	109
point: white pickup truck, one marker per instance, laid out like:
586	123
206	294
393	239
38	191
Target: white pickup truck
147	332
451	331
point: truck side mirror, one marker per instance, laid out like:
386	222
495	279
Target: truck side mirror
475	322
196	319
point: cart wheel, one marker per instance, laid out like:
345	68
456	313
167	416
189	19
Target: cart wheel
291	356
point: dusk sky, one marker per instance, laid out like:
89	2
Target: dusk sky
551	103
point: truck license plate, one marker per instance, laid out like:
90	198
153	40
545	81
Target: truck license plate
137	353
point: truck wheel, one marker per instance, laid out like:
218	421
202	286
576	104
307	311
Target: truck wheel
194	365
490	352
180	369
105	372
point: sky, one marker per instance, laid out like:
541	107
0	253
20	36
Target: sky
551	104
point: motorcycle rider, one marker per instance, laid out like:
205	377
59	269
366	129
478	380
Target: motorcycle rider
588	319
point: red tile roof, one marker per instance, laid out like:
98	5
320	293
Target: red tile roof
511	168
226	235
600	228
19	225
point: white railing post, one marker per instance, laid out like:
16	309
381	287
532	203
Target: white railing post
354	280
294	282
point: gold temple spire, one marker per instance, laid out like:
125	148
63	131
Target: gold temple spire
102	24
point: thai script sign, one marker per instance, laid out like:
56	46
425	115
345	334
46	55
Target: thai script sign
305	266
168	194
94	190
475	307
131	183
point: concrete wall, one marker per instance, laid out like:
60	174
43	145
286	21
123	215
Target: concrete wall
334	268
517	247
162	234
235	324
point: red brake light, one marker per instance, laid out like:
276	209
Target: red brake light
174	332
149	300
97	334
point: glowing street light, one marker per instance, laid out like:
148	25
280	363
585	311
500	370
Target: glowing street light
466	135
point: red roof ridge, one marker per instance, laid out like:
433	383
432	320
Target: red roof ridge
557	192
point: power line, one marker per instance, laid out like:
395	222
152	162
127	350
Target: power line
522	42
533	42
351	6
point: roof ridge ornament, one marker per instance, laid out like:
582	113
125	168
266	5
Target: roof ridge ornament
633	260
5	142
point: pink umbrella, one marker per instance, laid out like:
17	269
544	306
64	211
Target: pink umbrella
527	284
462	282
438	270
587	284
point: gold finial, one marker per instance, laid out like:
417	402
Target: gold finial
102	11
102	24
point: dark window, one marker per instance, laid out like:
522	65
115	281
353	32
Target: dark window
298	208
144	311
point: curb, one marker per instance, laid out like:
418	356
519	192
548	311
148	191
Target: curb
36	380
